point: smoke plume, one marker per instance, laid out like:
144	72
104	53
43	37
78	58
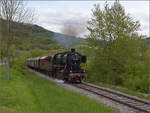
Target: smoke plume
73	28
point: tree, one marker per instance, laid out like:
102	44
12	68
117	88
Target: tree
12	12
119	46
110	23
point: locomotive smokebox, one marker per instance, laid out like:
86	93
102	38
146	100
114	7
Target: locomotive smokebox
72	50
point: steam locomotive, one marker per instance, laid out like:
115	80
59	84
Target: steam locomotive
64	66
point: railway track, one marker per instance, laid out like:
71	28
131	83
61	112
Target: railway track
143	106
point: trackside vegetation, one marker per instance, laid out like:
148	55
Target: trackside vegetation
27	92
117	54
87	50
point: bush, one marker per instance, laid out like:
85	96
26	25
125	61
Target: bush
20	64
123	62
136	76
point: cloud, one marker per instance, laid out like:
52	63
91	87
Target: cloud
56	15
55	20
139	11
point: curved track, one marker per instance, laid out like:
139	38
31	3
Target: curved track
143	106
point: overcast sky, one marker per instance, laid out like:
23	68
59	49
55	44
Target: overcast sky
53	14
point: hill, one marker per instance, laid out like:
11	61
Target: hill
60	39
37	35
66	40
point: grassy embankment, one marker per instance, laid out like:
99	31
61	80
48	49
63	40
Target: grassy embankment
26	92
123	90
127	91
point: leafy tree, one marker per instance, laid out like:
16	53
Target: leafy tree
11	12
110	23
114	34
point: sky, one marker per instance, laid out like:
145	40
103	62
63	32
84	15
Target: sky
54	15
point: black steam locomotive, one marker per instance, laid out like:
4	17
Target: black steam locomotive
64	65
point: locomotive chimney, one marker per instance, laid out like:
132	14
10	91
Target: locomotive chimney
72	50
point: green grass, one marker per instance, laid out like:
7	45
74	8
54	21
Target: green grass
26	92
124	90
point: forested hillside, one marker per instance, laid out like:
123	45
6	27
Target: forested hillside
36	36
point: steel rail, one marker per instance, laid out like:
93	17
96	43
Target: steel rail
130	101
